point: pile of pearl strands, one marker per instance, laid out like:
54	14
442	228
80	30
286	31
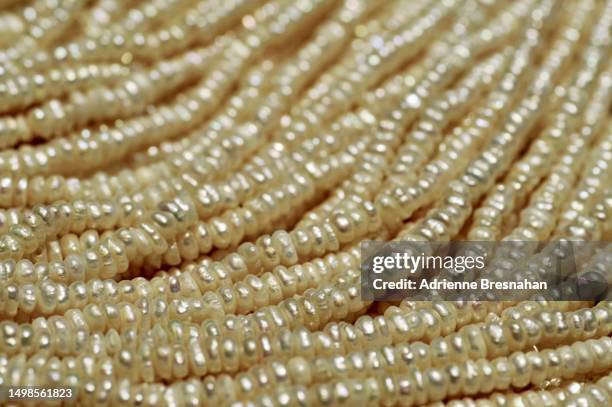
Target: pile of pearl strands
184	186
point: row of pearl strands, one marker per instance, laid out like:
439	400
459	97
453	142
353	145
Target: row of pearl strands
517	370
495	60
92	283
146	180
170	393
69	189
521	178
166	120
151	175
586	321
131	37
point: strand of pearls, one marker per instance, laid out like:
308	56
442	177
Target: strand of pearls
19	91
471	342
